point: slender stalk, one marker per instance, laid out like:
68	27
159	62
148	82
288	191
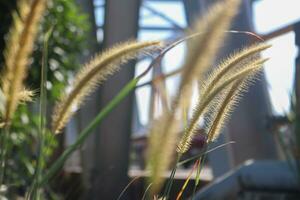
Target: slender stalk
197	180
88	130
204	152
188	179
146	191
42	115
4	141
127	186
171	179
1	156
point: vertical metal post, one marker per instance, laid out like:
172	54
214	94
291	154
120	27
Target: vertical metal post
297	92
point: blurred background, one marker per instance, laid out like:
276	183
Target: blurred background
262	126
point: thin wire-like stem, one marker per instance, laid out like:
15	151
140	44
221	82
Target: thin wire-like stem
146	191
188	179
179	41
127	186
201	161
204	152
171	178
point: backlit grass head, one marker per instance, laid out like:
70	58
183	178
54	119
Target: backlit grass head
19	46
202	51
94	73
241	67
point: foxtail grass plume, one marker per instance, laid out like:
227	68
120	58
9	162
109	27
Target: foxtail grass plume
19	47
203	49
246	73
94	73
223	111
230	65
238	61
201	54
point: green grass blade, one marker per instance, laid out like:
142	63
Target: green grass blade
42	115
3	148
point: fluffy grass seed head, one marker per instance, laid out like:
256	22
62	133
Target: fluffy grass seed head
203	49
201	54
161	149
230	65
94	73
19	46
247	72
222	114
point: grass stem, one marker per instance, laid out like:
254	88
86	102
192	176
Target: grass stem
4	142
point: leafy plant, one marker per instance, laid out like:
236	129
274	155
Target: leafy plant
71	27
67	42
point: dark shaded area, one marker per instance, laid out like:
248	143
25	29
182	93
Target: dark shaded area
112	141
6	8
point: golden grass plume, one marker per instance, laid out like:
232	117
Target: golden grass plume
224	109
230	65
246	73
19	46
94	73
203	49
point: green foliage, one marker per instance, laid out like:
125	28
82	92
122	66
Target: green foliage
23	148
65	46
5	7
67	42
